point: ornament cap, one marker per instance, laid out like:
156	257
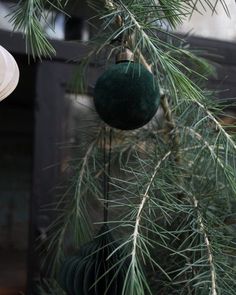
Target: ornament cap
125	55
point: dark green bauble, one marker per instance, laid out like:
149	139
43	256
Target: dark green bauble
126	96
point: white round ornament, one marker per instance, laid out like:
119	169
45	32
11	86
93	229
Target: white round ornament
9	73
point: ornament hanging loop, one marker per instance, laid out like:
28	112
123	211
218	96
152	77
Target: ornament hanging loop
125	55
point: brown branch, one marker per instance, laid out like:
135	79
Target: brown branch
209	250
171	127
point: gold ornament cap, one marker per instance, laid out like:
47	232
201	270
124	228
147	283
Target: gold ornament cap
125	55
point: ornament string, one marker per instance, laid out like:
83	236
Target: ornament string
107	171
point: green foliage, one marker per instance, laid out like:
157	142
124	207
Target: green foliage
173	218
144	30
173	185
28	17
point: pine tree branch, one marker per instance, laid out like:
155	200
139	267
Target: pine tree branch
83	167
209	250
75	212
179	84
199	137
28	17
145	198
172	130
218	125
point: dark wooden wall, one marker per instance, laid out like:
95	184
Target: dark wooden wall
223	56
16	153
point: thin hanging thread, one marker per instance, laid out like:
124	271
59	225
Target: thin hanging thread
107	172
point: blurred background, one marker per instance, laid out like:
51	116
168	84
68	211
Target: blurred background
41	114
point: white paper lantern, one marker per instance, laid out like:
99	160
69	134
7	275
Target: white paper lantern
9	73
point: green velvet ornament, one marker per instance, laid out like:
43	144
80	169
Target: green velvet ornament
99	268
126	96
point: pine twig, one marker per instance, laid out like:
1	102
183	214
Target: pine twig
172	132
143	60
141	207
85	160
209	250
199	137
218	125
64	220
